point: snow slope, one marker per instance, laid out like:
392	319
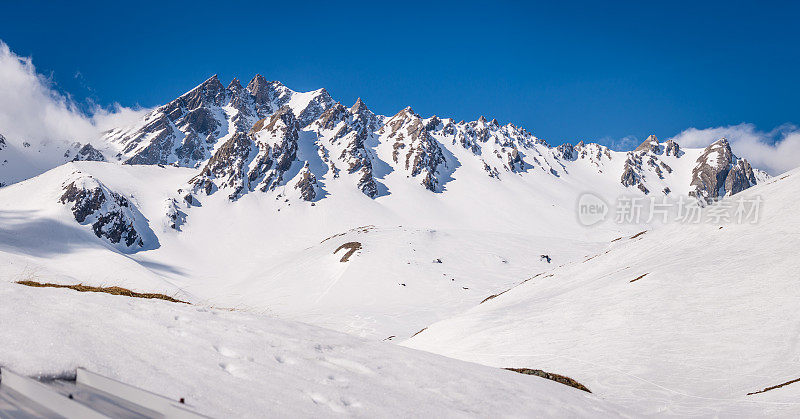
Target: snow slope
267	255
712	319
234	364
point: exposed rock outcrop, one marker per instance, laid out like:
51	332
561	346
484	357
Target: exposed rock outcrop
256	160
88	153
718	172
414	149
175	216
307	184
632	172
645	164
111	215
346	132
185	131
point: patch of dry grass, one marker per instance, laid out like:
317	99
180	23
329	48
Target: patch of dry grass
351	247
639	277
550	376
774	387
108	290
638	234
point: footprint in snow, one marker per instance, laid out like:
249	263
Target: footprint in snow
226	352
349	365
285	359
235	370
320	399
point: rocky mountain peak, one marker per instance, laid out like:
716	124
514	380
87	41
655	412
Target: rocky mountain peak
359	106
210	90
718	172
650	144
235	85
259	88
256	82
405	113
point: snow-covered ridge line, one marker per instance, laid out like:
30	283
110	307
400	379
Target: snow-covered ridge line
217	129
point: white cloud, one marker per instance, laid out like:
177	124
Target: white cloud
775	151
622	144
32	110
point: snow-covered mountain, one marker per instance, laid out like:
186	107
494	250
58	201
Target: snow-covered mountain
266	136
261	185
292	205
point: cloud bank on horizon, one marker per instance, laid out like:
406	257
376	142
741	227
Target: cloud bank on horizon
31	109
775	151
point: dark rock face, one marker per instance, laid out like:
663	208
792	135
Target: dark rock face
268	96
2	142
672	149
277	142
179	131
349	130
227	166
566	151
176	217
88	153
651	144
111	215
186	130
307	184
501	149
719	172
316	107
256	160
414	148
632	172
645	163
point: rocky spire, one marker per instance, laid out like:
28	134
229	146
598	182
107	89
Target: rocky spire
210	91
650	144
359	106
718	172
235	85
259	88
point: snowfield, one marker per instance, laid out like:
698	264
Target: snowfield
684	320
271	256
236	364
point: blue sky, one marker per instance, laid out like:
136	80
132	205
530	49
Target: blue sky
566	71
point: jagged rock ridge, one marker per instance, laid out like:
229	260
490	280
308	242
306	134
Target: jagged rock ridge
186	131
265	137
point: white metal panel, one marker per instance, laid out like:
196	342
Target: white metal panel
46	397
169	408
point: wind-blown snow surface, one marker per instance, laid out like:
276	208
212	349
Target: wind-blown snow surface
268	255
713	319
233	364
